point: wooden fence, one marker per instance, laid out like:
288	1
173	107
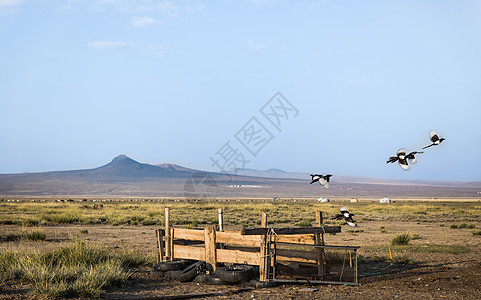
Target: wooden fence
251	246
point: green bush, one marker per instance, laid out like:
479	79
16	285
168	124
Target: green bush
477	232
401	239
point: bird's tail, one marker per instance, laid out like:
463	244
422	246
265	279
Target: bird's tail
428	146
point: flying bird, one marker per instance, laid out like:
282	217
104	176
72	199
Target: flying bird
346	215
433	136
401	157
322	179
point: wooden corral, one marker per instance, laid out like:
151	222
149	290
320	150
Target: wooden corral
252	246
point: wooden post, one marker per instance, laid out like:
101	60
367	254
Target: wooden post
319	218
263	251
210	250
167	234
160	247
319	240
221	220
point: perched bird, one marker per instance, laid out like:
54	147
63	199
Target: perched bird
401	158
346	215
433	136
322	179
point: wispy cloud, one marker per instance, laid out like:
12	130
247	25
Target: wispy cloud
145	49
10	2
108	44
143	21
255	45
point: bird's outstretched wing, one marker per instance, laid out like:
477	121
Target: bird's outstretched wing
338	217
411	158
314	178
392	159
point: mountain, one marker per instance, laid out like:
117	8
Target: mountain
124	176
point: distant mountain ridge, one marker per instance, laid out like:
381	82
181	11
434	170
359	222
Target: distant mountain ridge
124	176
278	173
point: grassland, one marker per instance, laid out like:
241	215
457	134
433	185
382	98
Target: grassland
103	250
243	213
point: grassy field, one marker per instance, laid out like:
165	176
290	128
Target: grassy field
82	268
243	213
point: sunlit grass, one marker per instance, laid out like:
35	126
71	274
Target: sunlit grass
77	270
236	213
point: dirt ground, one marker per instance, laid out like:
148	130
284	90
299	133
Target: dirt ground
433	275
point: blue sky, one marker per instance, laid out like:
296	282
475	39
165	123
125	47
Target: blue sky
174	81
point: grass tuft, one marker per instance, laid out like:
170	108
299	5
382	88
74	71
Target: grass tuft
75	271
401	239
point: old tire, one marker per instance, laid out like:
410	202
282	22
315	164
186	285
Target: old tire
209	279
171	265
188	273
236	273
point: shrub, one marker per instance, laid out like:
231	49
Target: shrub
454	226
477	232
401	239
84	231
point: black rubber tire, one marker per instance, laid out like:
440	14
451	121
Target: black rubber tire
211	280
171	265
189	273
236	273
262	284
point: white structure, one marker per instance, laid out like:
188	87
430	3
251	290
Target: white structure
323	199
354	200
385	200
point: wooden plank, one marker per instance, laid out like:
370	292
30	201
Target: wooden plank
263	258
210	249
307	239
160	247
288	254
237	256
189	252
167	234
189	234
235	238
171	243
291	230
319	240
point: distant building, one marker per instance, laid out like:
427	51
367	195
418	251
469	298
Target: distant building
385	200
354	200
323	199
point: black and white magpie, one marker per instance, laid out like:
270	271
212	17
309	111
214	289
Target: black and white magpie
346	215
401	158
322	179
433	136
